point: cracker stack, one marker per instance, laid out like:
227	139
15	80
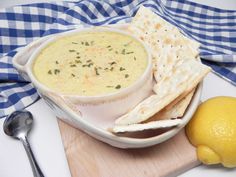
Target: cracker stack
177	71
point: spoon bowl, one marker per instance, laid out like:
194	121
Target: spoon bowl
18	125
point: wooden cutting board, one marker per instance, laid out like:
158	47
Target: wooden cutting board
88	157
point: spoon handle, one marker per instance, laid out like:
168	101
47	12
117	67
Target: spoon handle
34	165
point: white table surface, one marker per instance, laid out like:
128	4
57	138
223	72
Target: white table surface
46	141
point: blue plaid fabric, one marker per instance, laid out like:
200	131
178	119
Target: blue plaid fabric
214	28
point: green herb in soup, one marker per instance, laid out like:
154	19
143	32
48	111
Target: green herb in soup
91	63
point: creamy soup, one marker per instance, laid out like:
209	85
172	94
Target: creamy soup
91	63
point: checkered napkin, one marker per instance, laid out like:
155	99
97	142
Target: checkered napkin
214	28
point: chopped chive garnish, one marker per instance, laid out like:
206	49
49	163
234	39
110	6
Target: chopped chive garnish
118	87
78	61
77	53
96	71
105	68
126	75
74	43
50	72
109	86
90	64
57	62
73	65
129	52
108	46
56	71
123	52
112	63
110	49
82	43
86	43
72	75
122	69
112	68
88	61
78	57
134	58
71	50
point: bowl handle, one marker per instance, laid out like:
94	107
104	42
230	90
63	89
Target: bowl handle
19	62
21	59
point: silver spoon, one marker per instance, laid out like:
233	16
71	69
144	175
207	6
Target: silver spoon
18	125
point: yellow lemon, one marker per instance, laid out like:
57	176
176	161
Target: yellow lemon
213	131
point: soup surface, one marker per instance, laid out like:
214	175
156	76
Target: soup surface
91	63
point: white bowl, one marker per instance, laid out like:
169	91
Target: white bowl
107	107
98	114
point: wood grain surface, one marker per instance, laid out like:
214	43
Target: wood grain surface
88	157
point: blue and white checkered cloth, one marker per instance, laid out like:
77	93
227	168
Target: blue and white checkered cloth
214	28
